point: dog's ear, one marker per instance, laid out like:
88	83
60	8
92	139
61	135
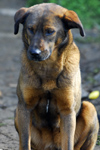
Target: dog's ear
71	20
19	18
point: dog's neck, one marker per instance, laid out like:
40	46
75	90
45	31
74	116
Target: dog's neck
68	40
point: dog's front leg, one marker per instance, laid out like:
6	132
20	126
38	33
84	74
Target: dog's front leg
66	106
68	124
22	122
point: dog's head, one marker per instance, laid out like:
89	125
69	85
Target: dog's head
45	26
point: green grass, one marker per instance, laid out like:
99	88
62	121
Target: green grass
88	39
2	124
98	140
88	11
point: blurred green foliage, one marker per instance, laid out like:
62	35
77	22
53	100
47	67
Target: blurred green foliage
87	10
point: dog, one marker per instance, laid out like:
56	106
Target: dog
50	114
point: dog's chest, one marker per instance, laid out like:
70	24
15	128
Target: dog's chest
45	114
48	84
50	78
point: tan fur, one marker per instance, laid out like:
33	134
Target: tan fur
49	113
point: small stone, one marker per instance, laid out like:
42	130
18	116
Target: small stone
84	93
1	94
13	85
97	77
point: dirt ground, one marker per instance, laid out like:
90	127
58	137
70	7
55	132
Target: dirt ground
10	49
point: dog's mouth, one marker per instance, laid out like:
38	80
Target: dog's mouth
38	55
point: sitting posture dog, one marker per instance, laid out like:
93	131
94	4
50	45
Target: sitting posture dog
50	115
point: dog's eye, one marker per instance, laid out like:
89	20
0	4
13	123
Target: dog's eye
31	30
49	32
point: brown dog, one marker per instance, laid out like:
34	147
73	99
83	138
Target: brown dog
49	115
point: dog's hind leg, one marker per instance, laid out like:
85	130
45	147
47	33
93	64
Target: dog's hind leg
90	141
86	128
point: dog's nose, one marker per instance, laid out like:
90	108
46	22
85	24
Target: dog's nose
35	52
